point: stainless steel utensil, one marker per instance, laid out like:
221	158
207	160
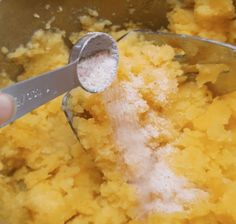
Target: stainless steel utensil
34	92
197	51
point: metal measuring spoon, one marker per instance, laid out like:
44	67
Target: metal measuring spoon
34	92
197	51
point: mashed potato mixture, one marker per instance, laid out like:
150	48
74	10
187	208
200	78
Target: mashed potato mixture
154	148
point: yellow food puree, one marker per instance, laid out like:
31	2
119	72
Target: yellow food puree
153	148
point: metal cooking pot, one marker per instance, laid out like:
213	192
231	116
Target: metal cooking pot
18	23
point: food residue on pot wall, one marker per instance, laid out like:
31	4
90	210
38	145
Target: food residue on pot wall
46	176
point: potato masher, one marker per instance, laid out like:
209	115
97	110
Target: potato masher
197	51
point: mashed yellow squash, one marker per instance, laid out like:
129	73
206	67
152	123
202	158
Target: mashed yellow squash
175	162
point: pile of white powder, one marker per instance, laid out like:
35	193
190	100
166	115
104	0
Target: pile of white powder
97	72
158	187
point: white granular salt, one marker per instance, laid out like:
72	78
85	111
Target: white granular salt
158	187
97	72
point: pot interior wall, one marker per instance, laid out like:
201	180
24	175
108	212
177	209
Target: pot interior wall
18	23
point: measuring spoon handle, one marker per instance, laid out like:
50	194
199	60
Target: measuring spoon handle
34	92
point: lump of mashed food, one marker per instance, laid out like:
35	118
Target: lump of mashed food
153	148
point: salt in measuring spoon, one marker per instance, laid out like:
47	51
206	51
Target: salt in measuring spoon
95	47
